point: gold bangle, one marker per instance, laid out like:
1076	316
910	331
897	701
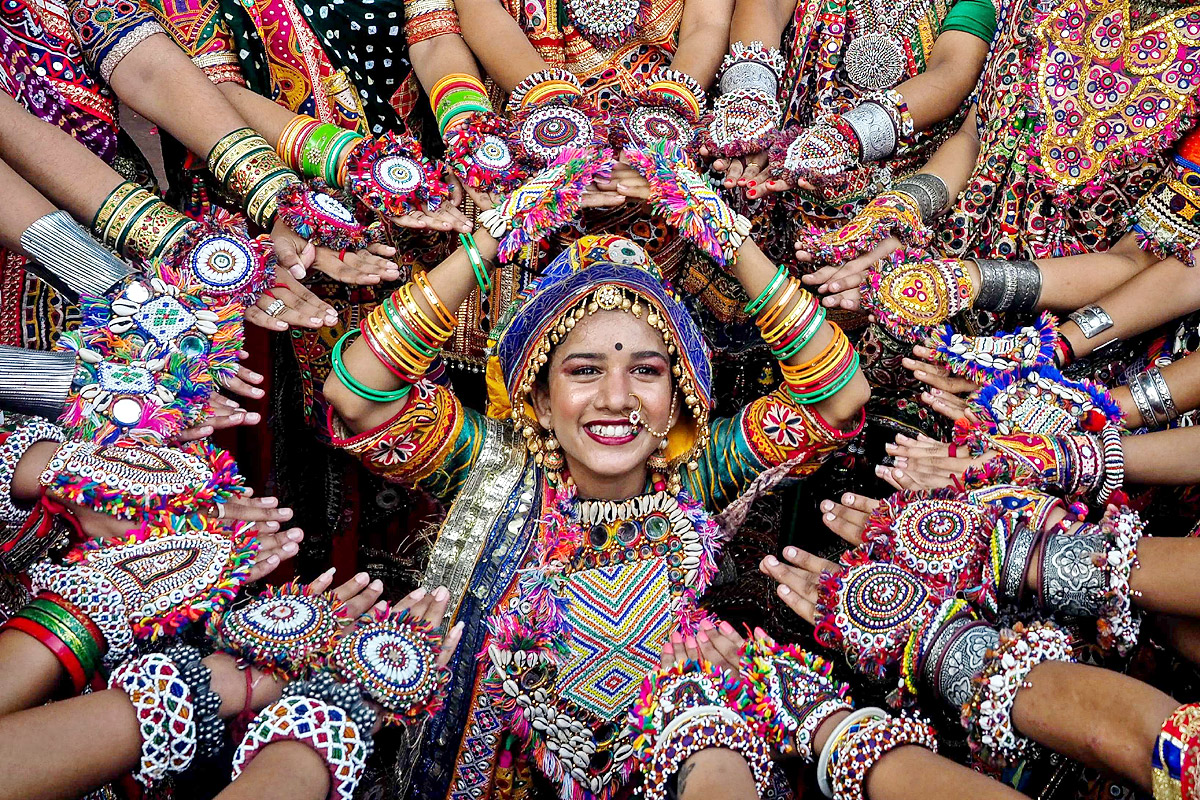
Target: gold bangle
110	204
420	318
226	142
394	345
811	371
799	308
777	307
149	234
263	204
439	308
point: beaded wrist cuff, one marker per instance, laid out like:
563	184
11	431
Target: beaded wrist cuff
911	293
792	694
129	480
532	89
69	259
316	214
1166	220
284	631
868	611
987	717
210	728
221	263
393	657
1119	624
12	450
859	750
688	708
985	358
96	596
480	151
166	715
327	729
392	176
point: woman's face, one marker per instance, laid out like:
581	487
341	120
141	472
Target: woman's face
596	375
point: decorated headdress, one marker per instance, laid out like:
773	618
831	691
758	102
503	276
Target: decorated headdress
599	273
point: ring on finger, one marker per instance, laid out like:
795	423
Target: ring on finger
276	308
220	511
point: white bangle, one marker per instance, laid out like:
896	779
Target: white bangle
827	750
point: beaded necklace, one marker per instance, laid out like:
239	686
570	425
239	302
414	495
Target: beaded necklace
608	583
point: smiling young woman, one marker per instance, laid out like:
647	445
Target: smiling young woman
588	546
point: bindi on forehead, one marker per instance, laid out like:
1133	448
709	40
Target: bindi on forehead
620	346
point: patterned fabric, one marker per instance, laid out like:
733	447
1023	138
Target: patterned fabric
198	28
424	443
816	86
1007	210
606	72
108	30
283	60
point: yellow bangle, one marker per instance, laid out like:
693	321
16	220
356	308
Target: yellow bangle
439	308
418	317
768	317
812	371
799	309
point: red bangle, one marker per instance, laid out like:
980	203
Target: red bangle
370	340
342	254
78	613
55	645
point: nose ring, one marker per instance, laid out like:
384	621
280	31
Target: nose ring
635	416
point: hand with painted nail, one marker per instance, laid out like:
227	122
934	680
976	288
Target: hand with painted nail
840	283
222	413
718	644
365	267
359	593
848	517
948	394
799	578
925	463
293	253
273	549
289	304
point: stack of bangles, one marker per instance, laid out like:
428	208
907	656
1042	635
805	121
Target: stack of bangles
317	149
544	86
455	98
402	336
248	168
135	222
67	632
858	743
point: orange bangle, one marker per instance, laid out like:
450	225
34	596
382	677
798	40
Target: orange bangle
801	307
777	307
439	308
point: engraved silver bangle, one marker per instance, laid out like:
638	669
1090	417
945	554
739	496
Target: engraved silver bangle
1070	583
67	257
1156	379
1150	391
956	656
35	381
1137	388
991	284
1027	280
929	191
1016	562
877	135
1092	320
749	75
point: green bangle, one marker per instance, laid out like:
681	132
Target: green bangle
805	336
356	386
477	266
168	241
339	146
68	629
755	305
457	109
457	96
312	155
401	327
809	398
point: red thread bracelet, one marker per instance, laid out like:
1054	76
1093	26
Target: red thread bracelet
342	254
